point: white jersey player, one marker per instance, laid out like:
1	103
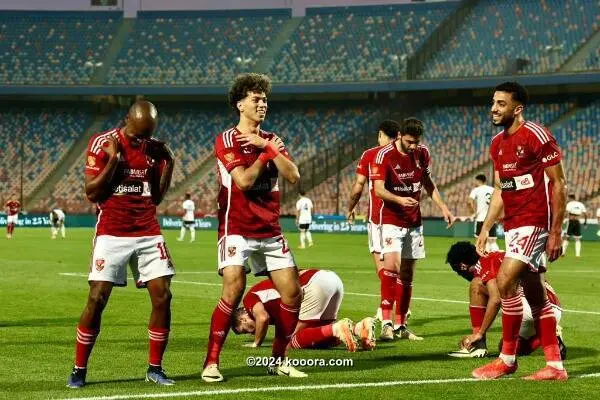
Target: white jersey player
575	211
188	220
57	222
304	210
479	202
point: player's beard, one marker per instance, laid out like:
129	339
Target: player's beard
506	120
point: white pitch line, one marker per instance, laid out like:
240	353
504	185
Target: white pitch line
200	393
349	293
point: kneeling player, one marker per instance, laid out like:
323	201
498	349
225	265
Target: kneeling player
317	327
57	221
484	302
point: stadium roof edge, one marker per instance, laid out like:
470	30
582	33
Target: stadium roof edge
391	86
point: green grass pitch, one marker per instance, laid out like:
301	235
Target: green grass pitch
40	306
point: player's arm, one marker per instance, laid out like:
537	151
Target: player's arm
164	156
286	167
297	214
97	186
495	209
558	199
471	205
355	194
261	319
387	196
434	193
491	311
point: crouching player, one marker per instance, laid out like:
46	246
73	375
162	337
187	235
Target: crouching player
484	302
317	326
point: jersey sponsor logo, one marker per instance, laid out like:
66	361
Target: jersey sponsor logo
509	166
403	189
136	173
406	175
550	157
99	264
262	186
516	183
134	188
417	187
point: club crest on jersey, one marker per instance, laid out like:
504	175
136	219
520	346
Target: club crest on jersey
520	152
91	161
231	250
374	170
388	241
229	157
99	264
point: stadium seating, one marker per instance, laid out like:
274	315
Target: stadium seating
192	48
543	33
591	62
356	43
53	47
48	133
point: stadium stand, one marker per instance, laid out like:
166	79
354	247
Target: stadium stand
356	43
192	48
543	34
591	62
53	47
48	133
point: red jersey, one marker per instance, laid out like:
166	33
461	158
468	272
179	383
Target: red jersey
487	269
264	292
128	210
403	175
253	213
520	160
364	168
13	207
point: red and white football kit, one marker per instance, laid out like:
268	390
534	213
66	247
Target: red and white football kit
13	211
375	203
249	220
127	231
520	160
403	174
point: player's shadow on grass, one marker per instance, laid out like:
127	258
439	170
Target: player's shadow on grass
420	321
39	322
575	352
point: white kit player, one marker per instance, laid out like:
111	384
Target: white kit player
575	211
57	222
304	211
187	221
479	202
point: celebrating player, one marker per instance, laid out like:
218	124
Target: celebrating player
57	221
128	174
388	132
484	302
317	327
304	211
576	210
479	202
249	161
187	221
399	172
531	188
12	206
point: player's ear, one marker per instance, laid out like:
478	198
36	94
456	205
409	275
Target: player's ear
519	109
239	106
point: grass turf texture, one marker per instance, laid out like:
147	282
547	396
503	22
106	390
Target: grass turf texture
40	308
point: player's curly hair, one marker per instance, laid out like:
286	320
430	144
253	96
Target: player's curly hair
244	83
390	128
462	252
412	126
518	92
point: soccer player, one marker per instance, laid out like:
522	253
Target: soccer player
127	174
304	211
576	210
399	172
387	132
484	302
12	206
188	220
479	202
249	161
531	189
57	221
317	326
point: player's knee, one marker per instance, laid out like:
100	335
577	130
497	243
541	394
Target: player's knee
162	299
233	290
292	294
97	301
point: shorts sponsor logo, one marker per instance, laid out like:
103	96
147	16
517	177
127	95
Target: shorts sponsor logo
550	157
99	264
231	250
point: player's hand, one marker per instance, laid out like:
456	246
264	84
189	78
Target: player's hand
553	246
468	341
448	217
253	345
277	142
159	150
251	139
481	242
407	201
111	146
351	216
